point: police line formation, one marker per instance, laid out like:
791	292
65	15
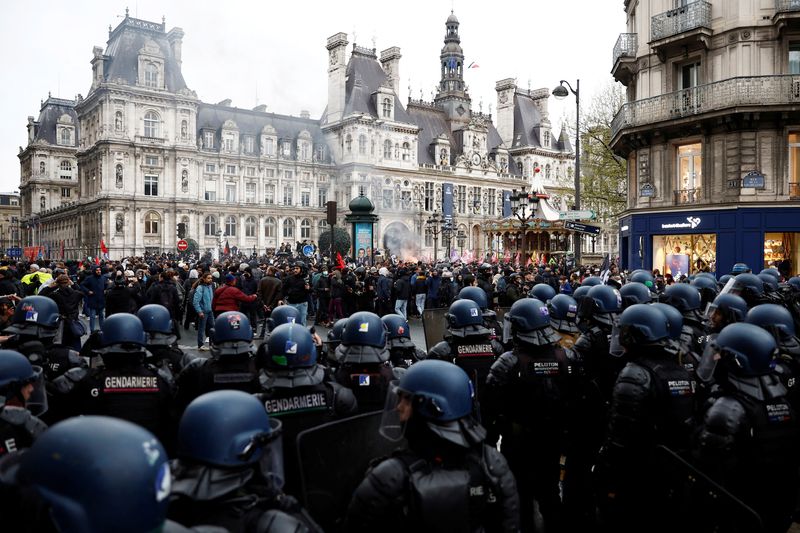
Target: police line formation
611	409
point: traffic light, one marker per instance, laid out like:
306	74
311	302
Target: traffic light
181	230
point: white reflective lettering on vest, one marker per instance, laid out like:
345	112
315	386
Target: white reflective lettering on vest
778	412
679	387
11	445
545	368
475	350
294	404
130	384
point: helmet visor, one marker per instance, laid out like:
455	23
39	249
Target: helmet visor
708	363
271	461
36	397
616	348
396	412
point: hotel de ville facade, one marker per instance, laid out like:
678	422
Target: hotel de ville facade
141	153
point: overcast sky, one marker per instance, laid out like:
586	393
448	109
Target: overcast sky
273	52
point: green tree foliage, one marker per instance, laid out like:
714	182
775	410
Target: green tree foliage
604	175
341	242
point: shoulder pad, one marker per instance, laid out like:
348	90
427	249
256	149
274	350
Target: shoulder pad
344	401
440	351
275	521
66	382
76	359
635	374
502	368
19	416
497	347
726	416
389	477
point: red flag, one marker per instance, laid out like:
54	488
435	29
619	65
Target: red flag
96	260
103	247
530	261
340	262
227	249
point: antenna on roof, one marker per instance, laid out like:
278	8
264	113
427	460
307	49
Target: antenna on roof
354	36
373	42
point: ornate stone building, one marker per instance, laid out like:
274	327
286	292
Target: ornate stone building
146	154
711	132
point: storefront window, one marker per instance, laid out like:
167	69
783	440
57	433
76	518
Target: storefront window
782	250
682	255
794	159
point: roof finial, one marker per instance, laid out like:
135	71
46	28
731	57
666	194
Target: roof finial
529	86
480	105
373	42
354	36
126	11
163	21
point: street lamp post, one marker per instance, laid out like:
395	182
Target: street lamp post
523	206
448	229
461	237
561	92
433	228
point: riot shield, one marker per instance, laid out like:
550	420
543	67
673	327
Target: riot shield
434	325
333	460
689	497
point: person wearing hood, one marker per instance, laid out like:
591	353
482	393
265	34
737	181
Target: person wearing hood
94	286
384	289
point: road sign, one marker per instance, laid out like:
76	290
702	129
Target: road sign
646	191
308	250
14	252
582	228
753	180
183	245
580	214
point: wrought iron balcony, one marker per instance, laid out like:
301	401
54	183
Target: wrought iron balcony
675	21
758	91
688	196
787	5
625	47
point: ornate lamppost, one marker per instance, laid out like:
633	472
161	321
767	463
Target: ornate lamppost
523	206
561	92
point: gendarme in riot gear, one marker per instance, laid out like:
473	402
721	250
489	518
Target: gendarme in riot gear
22	396
447	478
478	295
402	350
564	318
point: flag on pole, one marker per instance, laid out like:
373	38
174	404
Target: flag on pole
473	65
227	249
104	249
340	262
530	261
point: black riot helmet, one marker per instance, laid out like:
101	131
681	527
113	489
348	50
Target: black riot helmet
746	349
644	277
601	304
123	333
592	281
157	324
794	283
36	316
563	313
770	282
580	292
725	309
635	292
641	326
674	320
772	271
528	321
335	333
398	331
464	318
476	294
707	288
283	314
776	319
683	297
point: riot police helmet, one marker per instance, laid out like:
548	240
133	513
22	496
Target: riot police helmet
485	268
746	349
644	277
291	346
364	329
16	373
440	395
726	309
775	319
335	333
232	334
641	325
476	294
69	473
602	303
157	324
707	288
708	275
563	313
398	332
36	316
528	321
580	292
542	292
794	283
635	292
723	280
770	283
283	314
592	281
674	320
122	333
464	318
740	268
683	297
750	287
231	429
772	271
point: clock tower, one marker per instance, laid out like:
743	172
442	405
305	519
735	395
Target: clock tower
452	95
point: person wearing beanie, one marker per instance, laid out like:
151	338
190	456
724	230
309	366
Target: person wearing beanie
228	297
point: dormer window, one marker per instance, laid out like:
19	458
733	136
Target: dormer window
65	136
547	139
151	75
208	140
387	108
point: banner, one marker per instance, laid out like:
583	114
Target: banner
447	201
363	242
506	204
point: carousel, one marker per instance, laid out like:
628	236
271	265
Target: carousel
534	233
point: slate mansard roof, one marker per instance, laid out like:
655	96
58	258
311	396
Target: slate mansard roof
364	77
527	118
123	48
49	115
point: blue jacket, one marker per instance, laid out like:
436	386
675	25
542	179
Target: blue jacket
384	288
433	282
97	286
202	298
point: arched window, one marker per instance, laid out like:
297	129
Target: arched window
288	229
66	136
406	151
270	227
348	143
185	181
42	167
230	226
210	225
43	202
362	144
322	227
66	166
305	229
151	122
387	149
250	224
151	75
118	175
387	108
151	222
